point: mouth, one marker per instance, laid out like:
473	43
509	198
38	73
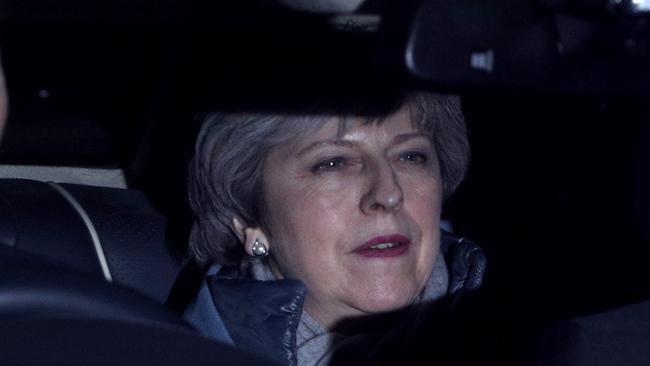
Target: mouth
384	246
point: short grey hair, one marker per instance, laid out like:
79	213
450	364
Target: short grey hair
225	174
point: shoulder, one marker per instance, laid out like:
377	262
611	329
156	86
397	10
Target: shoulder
254	315
203	315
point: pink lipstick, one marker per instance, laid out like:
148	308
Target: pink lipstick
384	246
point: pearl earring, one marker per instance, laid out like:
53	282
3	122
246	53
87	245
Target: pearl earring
259	249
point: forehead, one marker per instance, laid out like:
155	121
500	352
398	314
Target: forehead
401	121
352	128
292	133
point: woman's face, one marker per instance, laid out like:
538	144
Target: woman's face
355	216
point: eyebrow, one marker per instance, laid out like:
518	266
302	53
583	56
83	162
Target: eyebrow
352	144
336	142
408	136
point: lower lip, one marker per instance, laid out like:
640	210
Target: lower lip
385	253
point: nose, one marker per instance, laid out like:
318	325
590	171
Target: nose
385	193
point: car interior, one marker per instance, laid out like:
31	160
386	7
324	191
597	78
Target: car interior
105	104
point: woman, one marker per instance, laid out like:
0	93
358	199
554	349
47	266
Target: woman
319	221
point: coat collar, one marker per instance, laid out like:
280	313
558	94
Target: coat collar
261	316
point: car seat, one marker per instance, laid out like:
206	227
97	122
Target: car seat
104	233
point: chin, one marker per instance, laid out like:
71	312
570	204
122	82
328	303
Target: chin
387	302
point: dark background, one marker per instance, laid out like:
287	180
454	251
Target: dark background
557	192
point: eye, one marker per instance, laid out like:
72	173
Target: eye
329	164
414	157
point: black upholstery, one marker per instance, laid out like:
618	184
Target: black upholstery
34	287
97	342
35	218
133	233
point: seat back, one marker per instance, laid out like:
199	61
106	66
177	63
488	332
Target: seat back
108	233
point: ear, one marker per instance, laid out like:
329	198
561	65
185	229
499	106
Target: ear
238	229
247	235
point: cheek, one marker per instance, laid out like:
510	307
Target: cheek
423	205
314	204
304	204
424	208
423	199
304	223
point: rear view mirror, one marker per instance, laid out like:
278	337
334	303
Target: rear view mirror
572	46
